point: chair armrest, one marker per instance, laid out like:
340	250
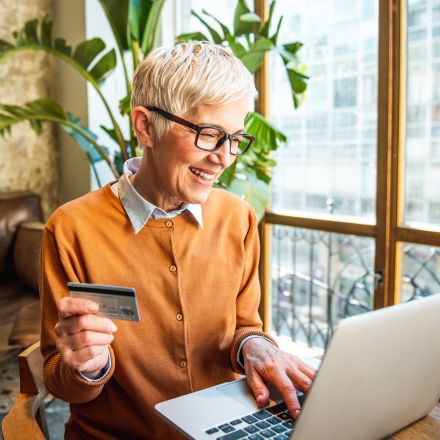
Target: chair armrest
27	418
21	421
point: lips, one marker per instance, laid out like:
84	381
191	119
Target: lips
208	176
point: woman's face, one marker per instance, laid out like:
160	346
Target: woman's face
178	172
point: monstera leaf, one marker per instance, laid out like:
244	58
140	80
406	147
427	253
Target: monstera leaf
88	58
45	110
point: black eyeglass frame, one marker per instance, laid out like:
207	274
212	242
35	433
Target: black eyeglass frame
199	128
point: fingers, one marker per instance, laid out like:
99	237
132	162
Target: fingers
89	322
310	372
299	379
82	336
84	339
74	306
288	391
258	387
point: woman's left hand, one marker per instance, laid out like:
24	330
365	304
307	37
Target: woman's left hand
264	363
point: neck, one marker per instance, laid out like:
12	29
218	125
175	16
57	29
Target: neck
146	180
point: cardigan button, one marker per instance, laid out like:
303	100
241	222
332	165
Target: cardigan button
179	317
173	268
168	223
182	364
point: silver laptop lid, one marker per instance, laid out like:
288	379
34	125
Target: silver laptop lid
380	373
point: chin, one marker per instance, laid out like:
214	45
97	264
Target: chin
198	198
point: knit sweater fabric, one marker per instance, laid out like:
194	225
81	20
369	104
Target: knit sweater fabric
208	276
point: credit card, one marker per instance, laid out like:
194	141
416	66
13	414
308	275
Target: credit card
115	302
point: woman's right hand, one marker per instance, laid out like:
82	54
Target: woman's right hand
83	337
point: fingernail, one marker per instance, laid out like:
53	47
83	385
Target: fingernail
114	328
297	413
260	399
93	307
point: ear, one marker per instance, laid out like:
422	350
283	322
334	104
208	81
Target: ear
141	118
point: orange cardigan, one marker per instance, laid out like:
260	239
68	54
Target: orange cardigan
215	288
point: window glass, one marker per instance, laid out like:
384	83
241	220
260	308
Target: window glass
422	161
329	162
421	270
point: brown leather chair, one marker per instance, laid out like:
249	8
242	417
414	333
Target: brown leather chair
21	230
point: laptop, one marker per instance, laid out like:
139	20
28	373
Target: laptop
380	372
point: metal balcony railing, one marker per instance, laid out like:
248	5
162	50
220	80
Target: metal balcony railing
318	278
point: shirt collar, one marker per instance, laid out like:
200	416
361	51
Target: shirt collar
140	210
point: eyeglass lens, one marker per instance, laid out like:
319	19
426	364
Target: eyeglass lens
209	139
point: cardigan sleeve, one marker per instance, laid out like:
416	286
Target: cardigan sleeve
248	321
61	380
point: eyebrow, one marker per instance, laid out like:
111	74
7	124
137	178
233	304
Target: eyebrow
241	130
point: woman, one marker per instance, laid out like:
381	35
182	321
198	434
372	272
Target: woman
190	251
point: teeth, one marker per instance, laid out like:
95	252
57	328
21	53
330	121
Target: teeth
202	174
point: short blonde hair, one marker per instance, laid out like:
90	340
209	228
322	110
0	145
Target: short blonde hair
187	75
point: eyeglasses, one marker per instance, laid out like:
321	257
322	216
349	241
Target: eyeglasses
210	138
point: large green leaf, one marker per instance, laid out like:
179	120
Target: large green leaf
46	110
238	49
138	13
253	59
151	26
289	51
268	137
124	105
242	27
264	31
32	37
83	142
34	112
87	51
226	31
295	71
274	37
249	187
117	15
103	67
214	34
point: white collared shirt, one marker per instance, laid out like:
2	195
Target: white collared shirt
140	210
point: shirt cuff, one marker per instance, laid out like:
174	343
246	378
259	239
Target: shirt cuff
106	369
240	360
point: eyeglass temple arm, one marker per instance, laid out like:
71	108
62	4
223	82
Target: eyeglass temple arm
174	118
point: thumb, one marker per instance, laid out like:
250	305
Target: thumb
258	387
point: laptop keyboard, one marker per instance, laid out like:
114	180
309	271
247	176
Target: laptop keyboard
274	423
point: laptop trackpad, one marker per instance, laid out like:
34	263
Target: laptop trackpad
240	392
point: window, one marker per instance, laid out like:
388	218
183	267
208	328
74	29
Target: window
332	177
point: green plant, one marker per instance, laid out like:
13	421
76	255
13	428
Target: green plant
250	39
135	26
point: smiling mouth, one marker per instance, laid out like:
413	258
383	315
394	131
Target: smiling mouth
202	174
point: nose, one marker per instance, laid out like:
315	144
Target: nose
223	155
